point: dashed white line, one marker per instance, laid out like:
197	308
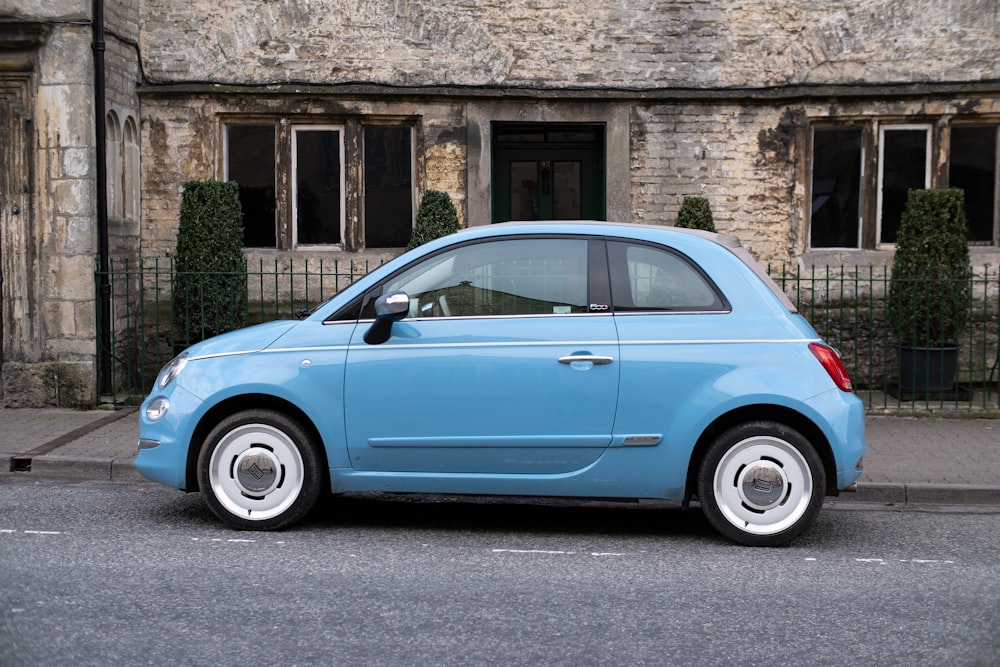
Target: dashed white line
556	552
883	561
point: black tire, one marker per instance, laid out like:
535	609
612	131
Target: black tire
260	470
761	484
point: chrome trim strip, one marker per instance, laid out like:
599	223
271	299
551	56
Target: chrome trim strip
718	341
642	440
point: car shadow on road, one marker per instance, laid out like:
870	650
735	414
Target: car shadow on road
505	514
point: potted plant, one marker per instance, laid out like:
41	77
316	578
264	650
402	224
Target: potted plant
695	213
209	289
930	290
436	217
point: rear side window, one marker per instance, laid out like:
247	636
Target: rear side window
647	278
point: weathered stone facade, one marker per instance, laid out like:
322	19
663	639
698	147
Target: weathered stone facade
560	44
715	99
48	248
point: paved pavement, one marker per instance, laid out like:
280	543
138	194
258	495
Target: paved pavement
910	461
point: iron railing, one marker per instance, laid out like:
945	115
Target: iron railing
144	336
845	304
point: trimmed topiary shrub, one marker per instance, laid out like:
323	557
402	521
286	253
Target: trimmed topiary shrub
209	290
436	217
695	213
930	290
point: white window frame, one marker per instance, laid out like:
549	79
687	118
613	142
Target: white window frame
892	127
293	168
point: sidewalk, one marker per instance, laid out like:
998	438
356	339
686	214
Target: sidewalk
910	461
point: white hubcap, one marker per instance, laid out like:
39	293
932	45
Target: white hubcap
256	471
763	485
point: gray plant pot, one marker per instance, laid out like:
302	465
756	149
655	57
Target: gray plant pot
927	369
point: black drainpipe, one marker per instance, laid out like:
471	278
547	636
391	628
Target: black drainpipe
102	199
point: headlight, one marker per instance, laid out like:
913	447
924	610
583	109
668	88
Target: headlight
157	409
172	370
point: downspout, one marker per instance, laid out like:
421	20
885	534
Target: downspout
102	200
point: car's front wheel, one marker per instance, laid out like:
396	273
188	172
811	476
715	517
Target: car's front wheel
761	484
260	470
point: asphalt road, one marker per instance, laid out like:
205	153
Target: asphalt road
136	574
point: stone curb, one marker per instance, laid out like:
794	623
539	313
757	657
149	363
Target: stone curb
923	494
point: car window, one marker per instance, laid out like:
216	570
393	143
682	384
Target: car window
502	277
646	278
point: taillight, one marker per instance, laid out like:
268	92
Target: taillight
830	360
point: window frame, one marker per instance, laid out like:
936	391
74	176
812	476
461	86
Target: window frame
928	129
293	172
937	161
352	153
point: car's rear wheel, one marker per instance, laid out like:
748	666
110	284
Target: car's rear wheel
761	484
260	470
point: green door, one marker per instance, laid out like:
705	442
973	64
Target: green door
548	172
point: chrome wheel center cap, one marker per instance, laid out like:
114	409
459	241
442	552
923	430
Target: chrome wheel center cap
256	471
762	485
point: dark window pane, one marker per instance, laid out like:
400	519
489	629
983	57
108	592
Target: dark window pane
904	167
524	190
388	187
251	164
317	186
973	159
836	188
566	190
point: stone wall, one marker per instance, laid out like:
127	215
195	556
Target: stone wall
739	157
640	44
49	344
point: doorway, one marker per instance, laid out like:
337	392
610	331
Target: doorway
15	182
548	171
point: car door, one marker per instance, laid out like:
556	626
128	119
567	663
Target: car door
505	365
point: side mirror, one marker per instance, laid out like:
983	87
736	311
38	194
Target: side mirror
389	308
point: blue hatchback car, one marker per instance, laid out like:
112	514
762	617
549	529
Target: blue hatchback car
570	359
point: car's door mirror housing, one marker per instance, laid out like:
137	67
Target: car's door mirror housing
389	308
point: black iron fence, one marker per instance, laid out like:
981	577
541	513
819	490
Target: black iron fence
847	305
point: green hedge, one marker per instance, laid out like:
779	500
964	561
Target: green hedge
209	291
436	217
930	291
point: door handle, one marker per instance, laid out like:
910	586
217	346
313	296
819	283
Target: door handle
597	360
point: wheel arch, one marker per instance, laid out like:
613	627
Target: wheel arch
242	403
762	412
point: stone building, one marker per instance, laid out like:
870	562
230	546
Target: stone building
803	123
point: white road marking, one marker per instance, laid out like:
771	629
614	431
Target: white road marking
556	552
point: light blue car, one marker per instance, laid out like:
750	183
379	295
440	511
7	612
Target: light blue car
570	359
